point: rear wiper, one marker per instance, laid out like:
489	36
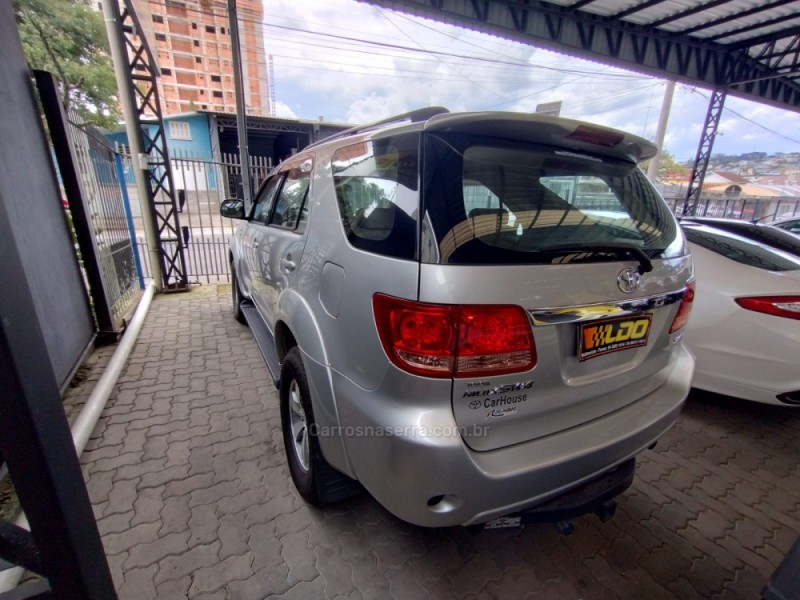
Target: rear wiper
645	264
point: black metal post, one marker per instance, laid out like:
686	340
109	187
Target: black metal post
241	112
81	220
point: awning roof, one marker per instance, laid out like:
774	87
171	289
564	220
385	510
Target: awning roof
749	47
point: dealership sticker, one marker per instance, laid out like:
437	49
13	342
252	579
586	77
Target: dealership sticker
612	335
501	412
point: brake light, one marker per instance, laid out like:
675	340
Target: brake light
780	306
439	340
684	310
597	137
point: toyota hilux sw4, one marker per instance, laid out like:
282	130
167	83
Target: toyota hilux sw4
470	315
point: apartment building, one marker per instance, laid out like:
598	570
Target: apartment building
193	45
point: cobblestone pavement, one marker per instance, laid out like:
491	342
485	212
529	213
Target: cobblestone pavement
187	477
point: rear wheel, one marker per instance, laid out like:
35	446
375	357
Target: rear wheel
317	482
236	298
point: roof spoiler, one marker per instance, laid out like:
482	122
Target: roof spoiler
413	116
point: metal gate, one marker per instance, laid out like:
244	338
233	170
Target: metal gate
201	186
98	168
89	173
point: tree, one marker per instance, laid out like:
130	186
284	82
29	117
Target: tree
669	169
68	38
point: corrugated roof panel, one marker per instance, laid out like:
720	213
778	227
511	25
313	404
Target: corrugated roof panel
764	29
665	9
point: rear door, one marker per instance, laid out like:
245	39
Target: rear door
282	241
585	245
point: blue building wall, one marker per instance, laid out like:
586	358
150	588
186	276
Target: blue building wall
195	145
198	145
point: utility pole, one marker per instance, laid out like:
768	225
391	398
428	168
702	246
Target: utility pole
241	117
119	56
652	169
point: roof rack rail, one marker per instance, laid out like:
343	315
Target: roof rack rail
413	116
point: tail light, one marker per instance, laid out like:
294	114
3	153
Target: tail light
780	306
684	310
440	340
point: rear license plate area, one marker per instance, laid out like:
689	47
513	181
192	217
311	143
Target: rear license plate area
604	336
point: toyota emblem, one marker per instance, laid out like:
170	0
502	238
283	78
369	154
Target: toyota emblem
628	280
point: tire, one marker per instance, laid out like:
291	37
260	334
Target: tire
236	298
316	481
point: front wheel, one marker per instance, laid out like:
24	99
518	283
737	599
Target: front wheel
318	483
236	298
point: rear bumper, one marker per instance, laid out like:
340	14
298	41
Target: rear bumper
428	476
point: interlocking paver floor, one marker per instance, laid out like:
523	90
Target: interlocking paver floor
187	478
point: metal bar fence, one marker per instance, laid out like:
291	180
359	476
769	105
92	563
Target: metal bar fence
201	185
763	210
106	207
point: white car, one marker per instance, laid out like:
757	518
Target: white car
792	225
745	327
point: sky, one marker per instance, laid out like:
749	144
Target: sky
352	62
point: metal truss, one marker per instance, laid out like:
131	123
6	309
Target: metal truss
641	47
263	125
703	155
143	71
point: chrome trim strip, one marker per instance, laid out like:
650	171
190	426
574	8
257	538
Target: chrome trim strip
589	312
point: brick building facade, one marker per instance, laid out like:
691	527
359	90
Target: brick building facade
193	45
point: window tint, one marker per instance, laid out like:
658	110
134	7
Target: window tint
496	202
742	250
793	226
291	201
766	235
265	199
377	189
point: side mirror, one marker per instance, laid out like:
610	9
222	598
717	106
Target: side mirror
233	208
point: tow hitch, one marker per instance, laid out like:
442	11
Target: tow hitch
595	496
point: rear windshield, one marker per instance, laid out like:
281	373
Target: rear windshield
496	202
742	250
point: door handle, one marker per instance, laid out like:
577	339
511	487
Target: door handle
255	245
287	264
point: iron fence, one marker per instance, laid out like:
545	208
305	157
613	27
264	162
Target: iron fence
98	168
201	185
764	210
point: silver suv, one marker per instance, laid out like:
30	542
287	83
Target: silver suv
470	315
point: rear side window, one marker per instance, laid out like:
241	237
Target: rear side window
290	207
495	202
377	192
265	199
742	250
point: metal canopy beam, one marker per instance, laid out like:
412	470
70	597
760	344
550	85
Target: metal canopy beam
258	125
701	159
621	43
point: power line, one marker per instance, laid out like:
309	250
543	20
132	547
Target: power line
749	120
441	60
367	42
